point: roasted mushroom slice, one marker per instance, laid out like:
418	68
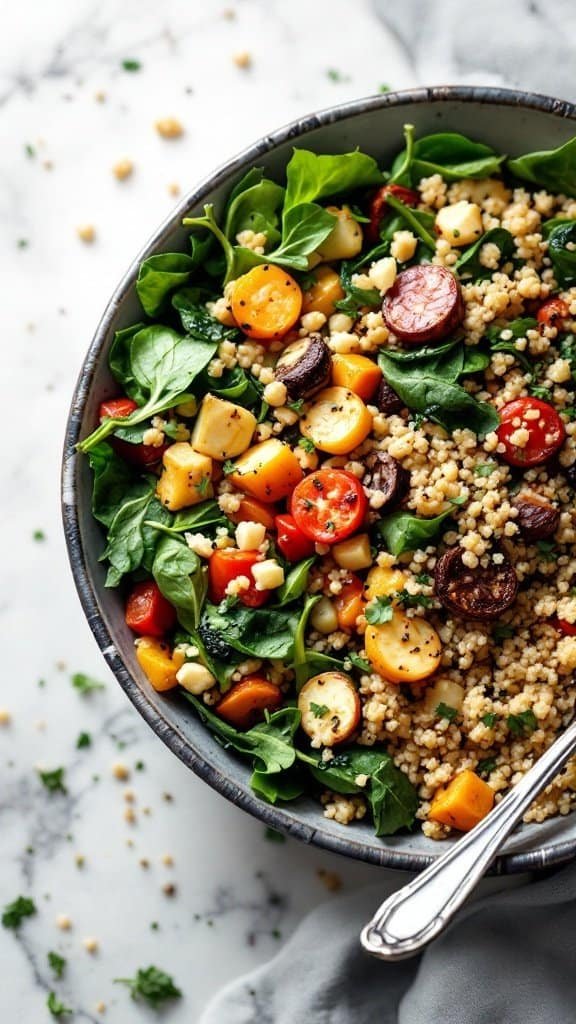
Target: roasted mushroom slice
537	518
387	400
386	478
304	366
482	593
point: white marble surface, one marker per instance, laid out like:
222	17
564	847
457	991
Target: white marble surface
237	895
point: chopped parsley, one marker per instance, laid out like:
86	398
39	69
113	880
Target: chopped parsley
273	836
53	780
30	151
319	710
503	632
384	87
446	711
337	76
547	550
57	963
22	243
485	469
413	600
84	740
39	535
131	65
139	766
424	579
297	405
522	724
203	485
358	662
228	467
379	610
14	913
56	1006
485	767
152	985
307	444
86	684
489	719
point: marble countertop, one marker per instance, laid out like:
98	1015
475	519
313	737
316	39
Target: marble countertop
191	884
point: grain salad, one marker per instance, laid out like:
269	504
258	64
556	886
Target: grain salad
337	481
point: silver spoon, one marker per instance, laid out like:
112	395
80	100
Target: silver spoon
410	918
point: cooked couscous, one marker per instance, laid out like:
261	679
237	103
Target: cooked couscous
339	485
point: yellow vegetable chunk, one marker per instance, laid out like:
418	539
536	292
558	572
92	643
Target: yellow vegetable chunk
354	553
330	708
323	295
269	471
403	650
383	582
158	663
222	429
444	691
463	803
186	477
337	421
345	239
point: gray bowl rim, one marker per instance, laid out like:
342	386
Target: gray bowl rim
274	817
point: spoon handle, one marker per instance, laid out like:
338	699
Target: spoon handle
418	912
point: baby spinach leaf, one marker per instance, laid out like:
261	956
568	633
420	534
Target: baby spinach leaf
420	222
304	228
254	206
198	518
310	177
113	481
469	265
562	252
159	275
449	154
301	663
234	385
553	169
163	364
318	661
519	329
355	297
295	583
279	786
195	318
157	513
403	531
119	362
426	381
271	743
125	541
259	632
181	578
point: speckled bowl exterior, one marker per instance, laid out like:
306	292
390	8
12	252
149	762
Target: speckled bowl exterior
512	122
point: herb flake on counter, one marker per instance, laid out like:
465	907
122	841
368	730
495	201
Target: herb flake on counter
53	780
15	912
84	740
39	535
57	963
337	76
152	985
56	1006
86	684
130	64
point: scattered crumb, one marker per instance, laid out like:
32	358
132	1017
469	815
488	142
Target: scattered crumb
5	716
130	842
242	59
147	811
86	233
168	860
120	771
144	863
169	889
330	879
130	815
174	188
123	169
47	165
40	725
167	797
80	860
63	922
229	13
169	128
100	96
90	945
129	796
61	665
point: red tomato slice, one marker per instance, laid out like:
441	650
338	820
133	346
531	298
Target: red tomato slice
329	505
137	454
378	206
225	566
546	433
552	313
148	612
293	544
568	628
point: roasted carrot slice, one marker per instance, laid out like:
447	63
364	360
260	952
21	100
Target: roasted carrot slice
246	702
266	302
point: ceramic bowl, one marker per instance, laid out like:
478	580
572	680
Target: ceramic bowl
512	122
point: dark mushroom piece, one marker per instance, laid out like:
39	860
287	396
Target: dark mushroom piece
570	474
387	400
537	518
385	475
304	367
481	593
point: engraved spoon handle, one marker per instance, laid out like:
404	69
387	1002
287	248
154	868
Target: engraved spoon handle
418	912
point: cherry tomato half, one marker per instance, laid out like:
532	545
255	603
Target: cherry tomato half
552	313
293	544
226	565
378	206
545	429
568	628
136	454
329	505
148	612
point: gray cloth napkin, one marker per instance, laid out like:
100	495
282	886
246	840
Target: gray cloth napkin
509	958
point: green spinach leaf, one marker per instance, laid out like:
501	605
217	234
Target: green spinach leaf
518	329
254	205
295	583
303	668
158	276
125	542
310	177
469	265
562	252
119	362
113	482
259	632
552	169
403	531
270	743
449	154
198	518
196	320
181	578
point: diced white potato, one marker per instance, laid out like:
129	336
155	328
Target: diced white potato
186	477
323	617
403	650
222	429
444	691
195	678
268	574
354	553
249	536
460	224
330	708
345	239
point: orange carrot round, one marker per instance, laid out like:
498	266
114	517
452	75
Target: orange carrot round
266	302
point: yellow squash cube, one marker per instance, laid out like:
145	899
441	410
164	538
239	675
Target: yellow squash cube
222	429
186	477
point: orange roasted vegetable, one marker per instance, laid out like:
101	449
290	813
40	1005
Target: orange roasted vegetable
251	510
246	702
158	663
269	471
358	373
326	291
463	802
266	302
349	603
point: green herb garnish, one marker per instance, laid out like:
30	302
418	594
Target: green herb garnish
15	912
152	985
446	711
53	780
86	684
319	710
57	963
379	610
522	724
